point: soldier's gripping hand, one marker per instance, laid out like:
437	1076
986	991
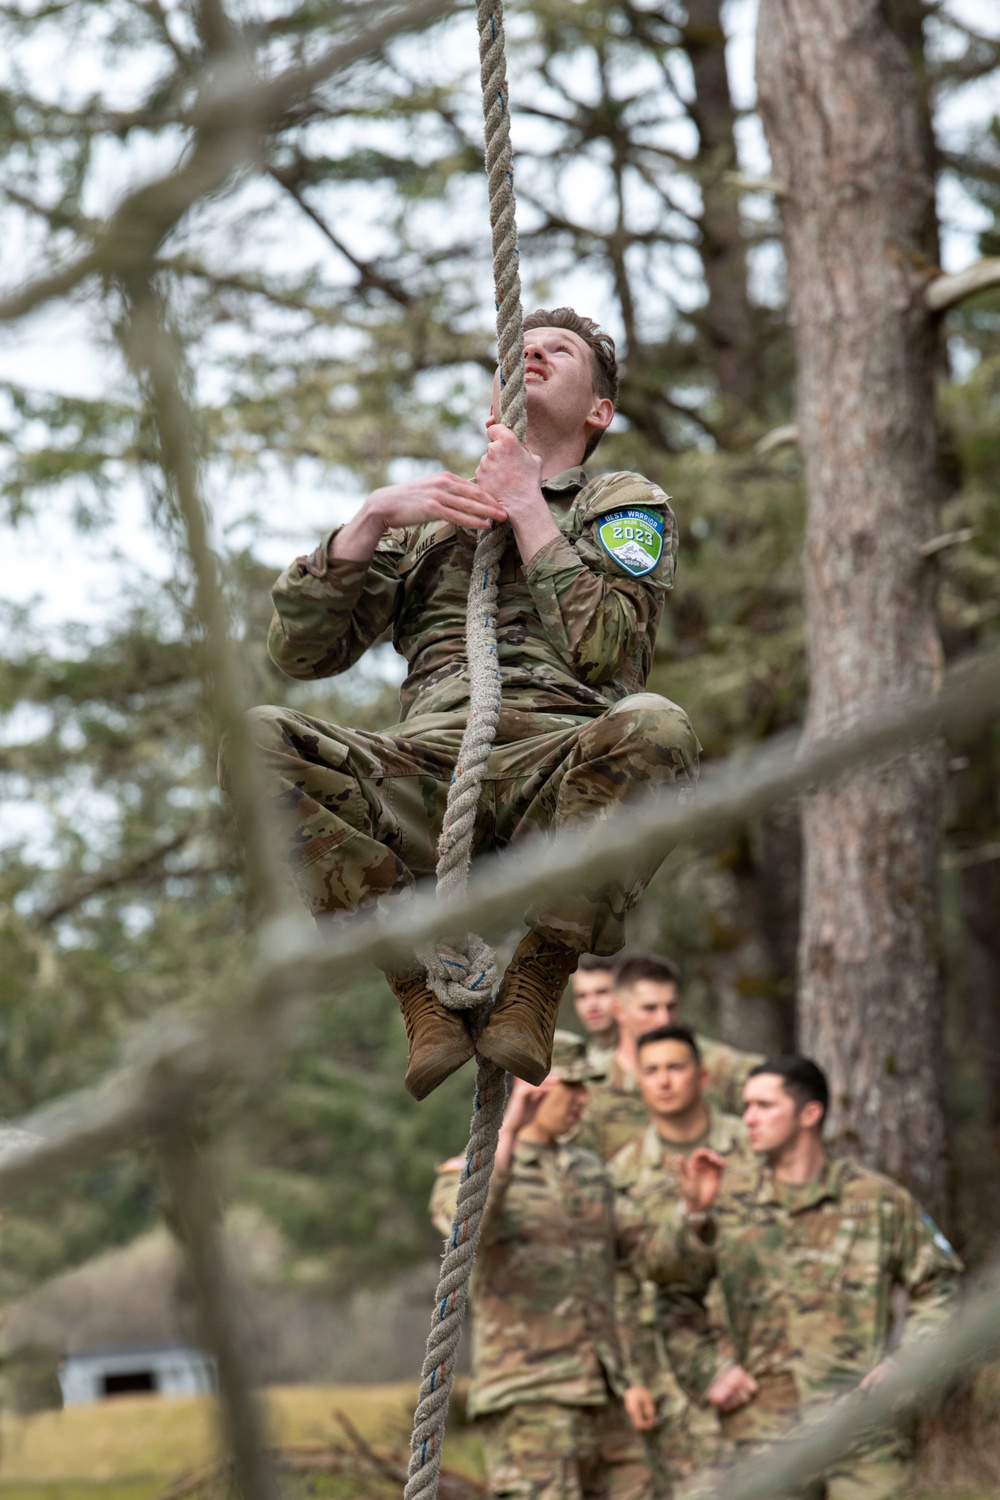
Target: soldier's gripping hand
700	1175
512	475
437	497
640	1407
732	1389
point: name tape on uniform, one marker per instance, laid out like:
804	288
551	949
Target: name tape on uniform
634	538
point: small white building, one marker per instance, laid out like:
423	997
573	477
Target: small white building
157	1369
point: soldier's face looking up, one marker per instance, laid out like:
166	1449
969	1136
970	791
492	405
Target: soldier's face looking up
773	1118
560	1108
645	1005
670	1080
594	998
559	375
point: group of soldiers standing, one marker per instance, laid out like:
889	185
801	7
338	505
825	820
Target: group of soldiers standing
672	1270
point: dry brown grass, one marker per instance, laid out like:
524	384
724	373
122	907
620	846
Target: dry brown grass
150	1437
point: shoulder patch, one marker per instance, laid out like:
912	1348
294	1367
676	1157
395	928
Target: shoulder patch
633	537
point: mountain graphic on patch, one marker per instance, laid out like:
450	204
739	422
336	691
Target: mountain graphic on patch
633	555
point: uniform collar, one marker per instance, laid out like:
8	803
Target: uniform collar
825	1187
569	481
722	1135
534	1151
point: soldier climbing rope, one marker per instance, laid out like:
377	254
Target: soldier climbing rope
463	979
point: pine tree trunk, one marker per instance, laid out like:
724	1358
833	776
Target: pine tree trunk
841	115
727	318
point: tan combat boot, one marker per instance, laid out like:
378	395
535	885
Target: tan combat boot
518	1034
438	1039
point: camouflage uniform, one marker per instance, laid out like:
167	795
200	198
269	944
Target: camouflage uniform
616	1113
645	1173
807	1276
546	1368
577	733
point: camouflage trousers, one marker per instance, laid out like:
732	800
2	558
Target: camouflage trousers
363	810
686	1441
545	1451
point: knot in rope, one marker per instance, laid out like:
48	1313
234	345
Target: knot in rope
461	978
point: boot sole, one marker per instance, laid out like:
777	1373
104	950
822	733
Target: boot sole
424	1077
514	1057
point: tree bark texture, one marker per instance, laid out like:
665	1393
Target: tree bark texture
841	114
727	318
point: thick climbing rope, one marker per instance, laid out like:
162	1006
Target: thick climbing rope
463	977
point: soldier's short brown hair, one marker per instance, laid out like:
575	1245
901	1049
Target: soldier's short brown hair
593	963
653	966
802	1078
603	360
671	1033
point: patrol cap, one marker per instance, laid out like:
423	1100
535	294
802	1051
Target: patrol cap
570	1063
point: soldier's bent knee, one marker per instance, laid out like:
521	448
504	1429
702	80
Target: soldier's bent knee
265	725
654	722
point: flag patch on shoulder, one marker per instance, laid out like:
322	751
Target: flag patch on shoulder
634	538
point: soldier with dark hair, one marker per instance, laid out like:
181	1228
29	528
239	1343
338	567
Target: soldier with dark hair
683	1434
581	591
808	1253
648	994
547	1376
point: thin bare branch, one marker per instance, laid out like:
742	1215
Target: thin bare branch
232	116
779	437
947	540
367	273
947	291
110	879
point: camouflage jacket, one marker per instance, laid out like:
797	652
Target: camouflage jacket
645	1174
575	628
807	1275
542	1290
616	1113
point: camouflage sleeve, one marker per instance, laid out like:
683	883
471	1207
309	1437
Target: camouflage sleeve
635	1320
444	1195
598	608
634	1304
682	1264
328	612
926	1265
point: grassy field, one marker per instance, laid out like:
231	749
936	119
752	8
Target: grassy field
131	1448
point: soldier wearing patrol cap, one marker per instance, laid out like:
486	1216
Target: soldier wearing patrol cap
582	586
546	1368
